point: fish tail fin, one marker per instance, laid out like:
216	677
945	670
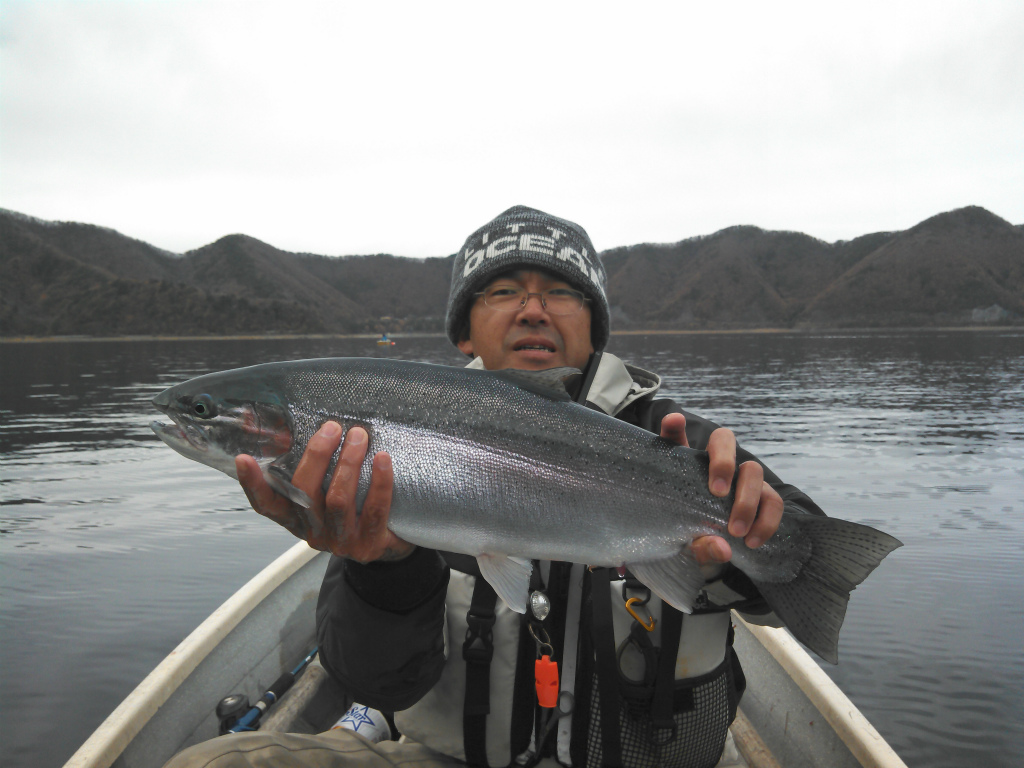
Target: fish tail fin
813	605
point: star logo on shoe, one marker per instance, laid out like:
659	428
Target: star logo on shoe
355	717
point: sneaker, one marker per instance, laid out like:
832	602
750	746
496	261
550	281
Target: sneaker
368	723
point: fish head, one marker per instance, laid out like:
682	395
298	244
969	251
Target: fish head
212	424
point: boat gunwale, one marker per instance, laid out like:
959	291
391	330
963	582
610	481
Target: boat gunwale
863	740
109	741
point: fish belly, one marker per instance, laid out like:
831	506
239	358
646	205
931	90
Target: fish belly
466	496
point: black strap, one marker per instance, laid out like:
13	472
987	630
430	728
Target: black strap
607	678
524	694
664	682
588	377
477	650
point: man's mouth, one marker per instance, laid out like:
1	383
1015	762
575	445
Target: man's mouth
533	345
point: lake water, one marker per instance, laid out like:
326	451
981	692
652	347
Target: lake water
113	547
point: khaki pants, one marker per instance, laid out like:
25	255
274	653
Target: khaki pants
338	748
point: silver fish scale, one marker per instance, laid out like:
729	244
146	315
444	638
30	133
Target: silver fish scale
508	469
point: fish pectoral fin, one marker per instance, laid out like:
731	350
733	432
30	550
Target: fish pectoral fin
510	577
677	580
280	480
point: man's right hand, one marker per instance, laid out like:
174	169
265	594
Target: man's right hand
333	523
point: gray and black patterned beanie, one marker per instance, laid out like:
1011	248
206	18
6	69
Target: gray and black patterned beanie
521	238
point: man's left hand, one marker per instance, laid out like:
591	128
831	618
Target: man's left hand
757	507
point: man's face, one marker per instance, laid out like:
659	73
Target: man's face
530	338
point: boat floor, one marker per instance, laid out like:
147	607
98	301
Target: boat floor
316	702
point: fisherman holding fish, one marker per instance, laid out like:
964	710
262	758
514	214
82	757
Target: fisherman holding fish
593	669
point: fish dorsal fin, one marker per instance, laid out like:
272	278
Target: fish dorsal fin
549	383
510	577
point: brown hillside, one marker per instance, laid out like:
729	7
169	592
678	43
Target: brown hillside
243	266
107	250
940	271
412	292
957	268
740	276
38	280
157	307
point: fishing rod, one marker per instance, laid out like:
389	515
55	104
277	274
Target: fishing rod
236	715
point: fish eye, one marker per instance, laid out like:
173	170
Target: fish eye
202	406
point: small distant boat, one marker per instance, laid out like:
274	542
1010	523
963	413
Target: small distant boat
791	716
384	341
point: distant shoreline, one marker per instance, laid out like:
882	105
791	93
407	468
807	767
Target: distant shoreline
439	335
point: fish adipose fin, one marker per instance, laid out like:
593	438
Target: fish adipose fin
549	383
510	577
813	605
676	580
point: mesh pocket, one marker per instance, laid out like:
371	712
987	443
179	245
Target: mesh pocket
702	710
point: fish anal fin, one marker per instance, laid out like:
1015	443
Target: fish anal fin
677	580
510	577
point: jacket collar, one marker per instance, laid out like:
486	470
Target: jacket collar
616	384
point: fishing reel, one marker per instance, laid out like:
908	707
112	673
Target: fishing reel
230	709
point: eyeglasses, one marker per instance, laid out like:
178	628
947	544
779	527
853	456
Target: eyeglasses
510	298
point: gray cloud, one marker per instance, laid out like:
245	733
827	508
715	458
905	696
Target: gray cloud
353	128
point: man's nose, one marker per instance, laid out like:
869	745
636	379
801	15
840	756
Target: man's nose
533	309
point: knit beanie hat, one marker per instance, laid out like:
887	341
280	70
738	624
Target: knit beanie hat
524	238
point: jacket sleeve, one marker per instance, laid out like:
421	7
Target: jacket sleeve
380	627
733	587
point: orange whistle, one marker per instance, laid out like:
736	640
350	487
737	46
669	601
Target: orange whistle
546	674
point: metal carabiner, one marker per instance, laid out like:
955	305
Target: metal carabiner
649	624
541	643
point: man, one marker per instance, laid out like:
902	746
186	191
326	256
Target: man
528	292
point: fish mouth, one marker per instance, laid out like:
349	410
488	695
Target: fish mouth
179	438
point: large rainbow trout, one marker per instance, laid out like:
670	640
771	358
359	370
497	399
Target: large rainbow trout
502	465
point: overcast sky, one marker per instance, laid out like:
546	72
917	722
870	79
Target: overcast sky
366	127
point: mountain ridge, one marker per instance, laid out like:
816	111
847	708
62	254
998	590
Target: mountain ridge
960	267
